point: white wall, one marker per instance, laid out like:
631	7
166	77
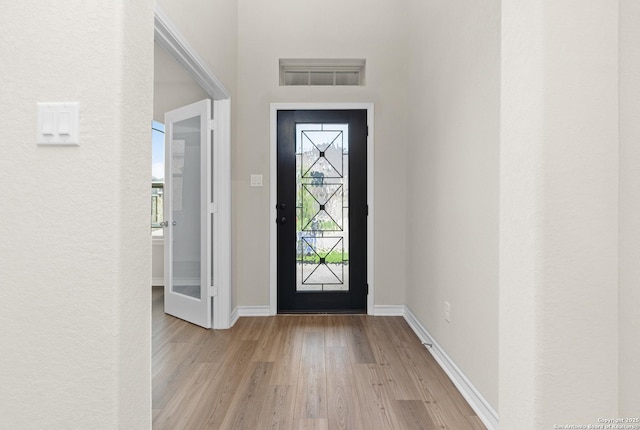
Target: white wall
157	261
74	268
173	86
452	183
210	26
629	209
333	29
559	213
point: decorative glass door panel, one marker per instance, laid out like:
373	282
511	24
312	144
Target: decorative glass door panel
322	210
322	207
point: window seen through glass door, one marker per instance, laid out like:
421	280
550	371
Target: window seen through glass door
157	177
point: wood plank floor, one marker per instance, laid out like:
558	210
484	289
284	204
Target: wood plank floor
300	372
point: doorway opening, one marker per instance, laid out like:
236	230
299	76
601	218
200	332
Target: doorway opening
218	291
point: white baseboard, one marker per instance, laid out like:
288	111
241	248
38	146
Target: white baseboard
477	402
248	311
389	310
234	317
253	311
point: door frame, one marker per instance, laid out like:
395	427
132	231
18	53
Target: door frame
167	35
273	170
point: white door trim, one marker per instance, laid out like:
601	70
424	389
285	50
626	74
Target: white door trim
167	35
222	216
273	251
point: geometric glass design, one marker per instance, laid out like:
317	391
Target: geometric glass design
322	207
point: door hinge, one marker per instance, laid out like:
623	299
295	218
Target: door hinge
213	208
367	131
212	124
367	210
367	288
213	291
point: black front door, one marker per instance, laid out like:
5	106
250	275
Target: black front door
322	211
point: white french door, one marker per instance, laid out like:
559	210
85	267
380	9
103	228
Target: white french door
188	213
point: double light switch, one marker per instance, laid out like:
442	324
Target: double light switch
58	123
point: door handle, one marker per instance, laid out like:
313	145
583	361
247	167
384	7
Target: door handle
174	223
164	224
281	206
281	220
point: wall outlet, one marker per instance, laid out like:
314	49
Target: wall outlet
447	312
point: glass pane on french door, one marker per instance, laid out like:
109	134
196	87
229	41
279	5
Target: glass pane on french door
322	207
186	207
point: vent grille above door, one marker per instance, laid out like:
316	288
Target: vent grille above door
327	72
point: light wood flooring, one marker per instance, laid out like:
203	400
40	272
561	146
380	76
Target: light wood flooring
300	372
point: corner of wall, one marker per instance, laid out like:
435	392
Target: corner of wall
629	247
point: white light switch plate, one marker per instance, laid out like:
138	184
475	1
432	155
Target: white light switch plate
58	123
256	180
447	312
